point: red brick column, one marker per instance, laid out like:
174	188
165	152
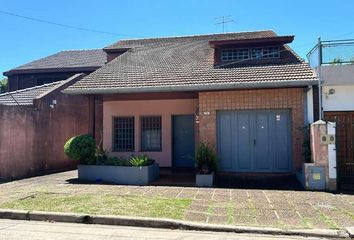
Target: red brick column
284	98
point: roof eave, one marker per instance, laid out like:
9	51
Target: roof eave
275	39
253	85
50	70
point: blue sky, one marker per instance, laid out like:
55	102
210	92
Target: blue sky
24	40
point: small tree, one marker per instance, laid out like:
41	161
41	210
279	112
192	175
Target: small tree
3	85
81	148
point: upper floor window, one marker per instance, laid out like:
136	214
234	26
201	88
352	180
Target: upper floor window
265	52
238	54
234	54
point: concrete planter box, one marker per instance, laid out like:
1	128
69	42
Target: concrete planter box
204	180
119	174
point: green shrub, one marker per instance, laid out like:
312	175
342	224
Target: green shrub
81	148
206	159
115	161
139	161
101	156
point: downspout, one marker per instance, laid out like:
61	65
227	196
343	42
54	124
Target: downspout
319	79
94	117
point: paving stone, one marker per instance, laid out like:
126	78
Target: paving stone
203	196
266	217
218	219
199	208
241	205
220	210
193	216
244	220
218	197
247	205
262	205
243	212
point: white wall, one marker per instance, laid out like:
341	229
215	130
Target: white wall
337	74
341	100
309	105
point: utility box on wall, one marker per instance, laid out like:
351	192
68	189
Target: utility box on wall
321	173
316	179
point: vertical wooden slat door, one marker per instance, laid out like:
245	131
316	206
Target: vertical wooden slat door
344	147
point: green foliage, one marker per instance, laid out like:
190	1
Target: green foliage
139	161
81	148
206	158
352	60
3	85
336	61
102	158
114	161
306	146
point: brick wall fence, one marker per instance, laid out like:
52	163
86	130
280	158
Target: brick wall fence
32	137
285	98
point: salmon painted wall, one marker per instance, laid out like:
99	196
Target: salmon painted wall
164	108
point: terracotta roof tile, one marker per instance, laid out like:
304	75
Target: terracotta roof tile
67	59
187	63
25	96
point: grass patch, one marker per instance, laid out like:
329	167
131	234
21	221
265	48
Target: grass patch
330	223
230	213
104	204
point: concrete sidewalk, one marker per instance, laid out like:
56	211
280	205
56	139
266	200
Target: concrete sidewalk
20	230
235	207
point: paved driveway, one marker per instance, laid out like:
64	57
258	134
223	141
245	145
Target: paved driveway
286	209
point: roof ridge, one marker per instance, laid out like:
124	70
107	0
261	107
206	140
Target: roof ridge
81	50
197	35
31	88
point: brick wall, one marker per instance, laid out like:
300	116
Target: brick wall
285	98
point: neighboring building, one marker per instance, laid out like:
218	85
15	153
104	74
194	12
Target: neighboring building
36	118
336	72
34	126
56	67
248	94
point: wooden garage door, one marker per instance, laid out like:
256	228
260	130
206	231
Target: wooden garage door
344	146
254	141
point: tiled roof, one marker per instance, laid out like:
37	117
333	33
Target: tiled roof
187	63
25	96
66	60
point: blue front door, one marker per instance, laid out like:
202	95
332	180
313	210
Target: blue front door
183	140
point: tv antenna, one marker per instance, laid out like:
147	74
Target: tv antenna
224	20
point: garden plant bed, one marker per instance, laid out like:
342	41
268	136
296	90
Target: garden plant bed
129	175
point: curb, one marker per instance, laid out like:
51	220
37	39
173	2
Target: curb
162	223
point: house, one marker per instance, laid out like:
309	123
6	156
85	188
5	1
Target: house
247	93
336	72
56	67
36	118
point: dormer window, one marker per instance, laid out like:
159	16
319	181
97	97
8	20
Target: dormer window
238	54
235	54
265	52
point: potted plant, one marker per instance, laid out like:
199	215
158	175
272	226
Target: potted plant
97	165
206	164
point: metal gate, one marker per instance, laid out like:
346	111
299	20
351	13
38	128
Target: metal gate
254	141
344	147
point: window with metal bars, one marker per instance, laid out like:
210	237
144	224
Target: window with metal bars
151	133
123	134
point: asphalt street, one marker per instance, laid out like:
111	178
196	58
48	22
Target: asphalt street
32	230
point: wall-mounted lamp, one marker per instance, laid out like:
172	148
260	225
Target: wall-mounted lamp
52	105
331	91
